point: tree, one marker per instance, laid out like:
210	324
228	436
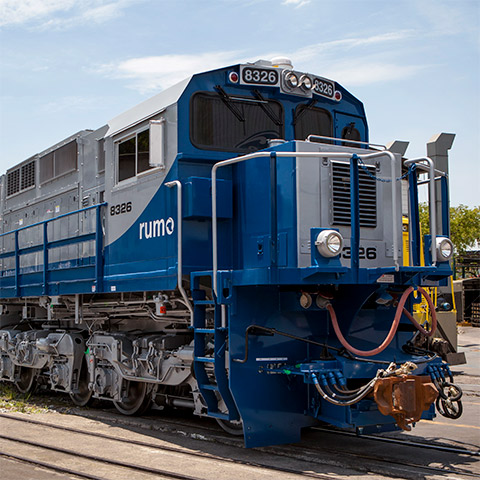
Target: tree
464	226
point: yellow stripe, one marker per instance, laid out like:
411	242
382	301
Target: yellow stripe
450	424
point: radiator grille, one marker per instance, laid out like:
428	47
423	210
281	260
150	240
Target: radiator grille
341	195
28	175
13	182
21	178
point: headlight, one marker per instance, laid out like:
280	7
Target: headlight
444	249
329	243
292	80
305	82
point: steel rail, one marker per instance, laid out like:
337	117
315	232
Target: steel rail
96	458
346	155
168	448
304	449
50	466
428	446
392	461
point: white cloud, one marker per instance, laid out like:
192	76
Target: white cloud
360	72
296	3
343	46
59	13
358	60
351	61
156	73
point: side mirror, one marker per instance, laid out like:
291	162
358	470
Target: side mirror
157	139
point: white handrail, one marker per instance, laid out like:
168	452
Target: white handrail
430	168
251	156
344	140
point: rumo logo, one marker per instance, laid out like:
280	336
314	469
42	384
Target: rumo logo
156	228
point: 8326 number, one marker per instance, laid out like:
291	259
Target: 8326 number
120	208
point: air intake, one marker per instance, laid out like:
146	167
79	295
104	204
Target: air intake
341	195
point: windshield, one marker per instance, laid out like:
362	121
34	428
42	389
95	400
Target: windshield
234	124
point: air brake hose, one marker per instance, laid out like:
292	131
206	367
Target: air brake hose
393	328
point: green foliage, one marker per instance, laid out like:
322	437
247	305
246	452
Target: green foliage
464	225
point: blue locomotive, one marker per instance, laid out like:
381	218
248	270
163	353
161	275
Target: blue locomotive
232	246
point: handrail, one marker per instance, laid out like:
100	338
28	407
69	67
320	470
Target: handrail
91	207
430	168
346	140
178	184
17	252
251	156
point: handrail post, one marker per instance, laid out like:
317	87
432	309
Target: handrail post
354	218
414	225
445	205
98	250
430	168
273	210
178	184
17	266
45	259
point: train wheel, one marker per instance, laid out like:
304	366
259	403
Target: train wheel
26	380
84	394
233	427
137	401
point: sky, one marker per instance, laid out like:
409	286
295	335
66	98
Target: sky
69	65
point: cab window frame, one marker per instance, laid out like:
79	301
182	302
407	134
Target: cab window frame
123	140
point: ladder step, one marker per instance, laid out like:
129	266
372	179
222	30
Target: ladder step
204	359
204	330
203	302
209	387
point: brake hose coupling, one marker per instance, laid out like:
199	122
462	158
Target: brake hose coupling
322	302
406	368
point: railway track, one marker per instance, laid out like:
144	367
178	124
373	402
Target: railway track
253	469
308	452
409	443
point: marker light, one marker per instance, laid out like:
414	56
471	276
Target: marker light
292	79
444	249
305	82
338	95
329	243
233	77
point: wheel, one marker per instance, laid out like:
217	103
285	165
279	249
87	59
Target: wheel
233	427
25	381
137	400
84	395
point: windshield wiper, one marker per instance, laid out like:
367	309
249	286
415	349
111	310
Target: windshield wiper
309	106
267	109
229	103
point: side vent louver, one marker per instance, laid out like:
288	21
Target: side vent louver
21	178
341	195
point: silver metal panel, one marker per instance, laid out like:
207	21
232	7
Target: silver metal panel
315	209
143	187
146	109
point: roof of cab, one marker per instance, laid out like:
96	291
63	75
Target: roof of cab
146	109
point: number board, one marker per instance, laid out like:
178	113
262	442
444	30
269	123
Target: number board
324	87
259	76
